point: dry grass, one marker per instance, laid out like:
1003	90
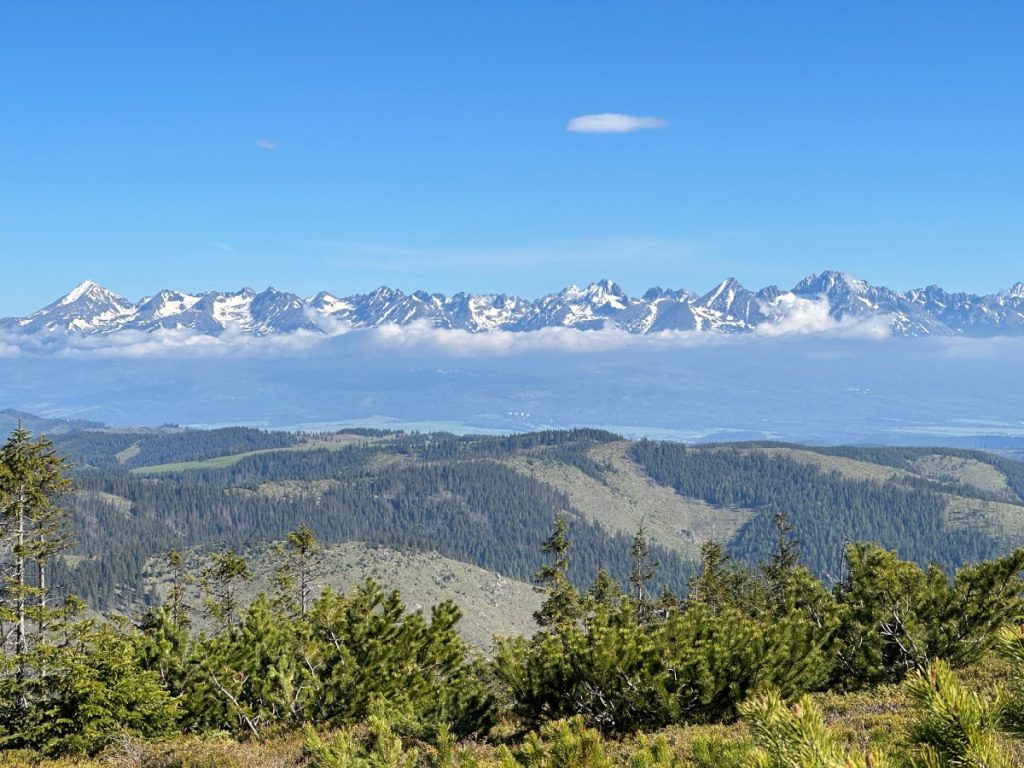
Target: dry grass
491	604
625	496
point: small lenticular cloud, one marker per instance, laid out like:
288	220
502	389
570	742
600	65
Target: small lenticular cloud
612	122
266	144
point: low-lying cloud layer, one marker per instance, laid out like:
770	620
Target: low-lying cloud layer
801	318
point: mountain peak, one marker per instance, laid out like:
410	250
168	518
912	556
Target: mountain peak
606	286
828	281
80	290
724	291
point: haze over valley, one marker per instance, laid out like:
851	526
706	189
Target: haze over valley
834	360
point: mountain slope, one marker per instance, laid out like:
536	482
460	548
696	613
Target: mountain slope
489	502
491	604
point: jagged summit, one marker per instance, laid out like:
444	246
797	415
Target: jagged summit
87	307
78	291
1016	292
730	307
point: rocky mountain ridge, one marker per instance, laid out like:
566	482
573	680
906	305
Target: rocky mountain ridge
91	309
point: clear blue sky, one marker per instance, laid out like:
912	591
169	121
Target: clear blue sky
342	145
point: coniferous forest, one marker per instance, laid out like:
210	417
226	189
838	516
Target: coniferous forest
468	499
738	663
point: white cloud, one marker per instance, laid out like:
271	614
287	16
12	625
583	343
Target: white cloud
266	144
414	340
164	342
422	338
801	317
331	326
613	122
796	319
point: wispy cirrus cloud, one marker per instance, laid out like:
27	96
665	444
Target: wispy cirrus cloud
613	122
266	144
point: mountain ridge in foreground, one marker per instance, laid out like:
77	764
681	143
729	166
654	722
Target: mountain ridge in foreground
816	302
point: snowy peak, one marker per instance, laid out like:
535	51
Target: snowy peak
89	293
90	309
87	307
722	296
78	291
1016	292
830	283
729	306
167	304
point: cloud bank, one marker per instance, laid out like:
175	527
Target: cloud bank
164	342
798	318
613	122
802	317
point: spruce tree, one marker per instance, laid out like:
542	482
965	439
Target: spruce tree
32	479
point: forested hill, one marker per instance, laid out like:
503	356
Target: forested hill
490	501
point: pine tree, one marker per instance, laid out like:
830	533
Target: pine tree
301	555
563	601
797	737
220	582
179	582
955	727
784	561
642	570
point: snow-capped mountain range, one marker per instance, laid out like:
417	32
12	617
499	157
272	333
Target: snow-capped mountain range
91	309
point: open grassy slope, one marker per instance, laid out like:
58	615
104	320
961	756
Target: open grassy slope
491	604
221	462
624	497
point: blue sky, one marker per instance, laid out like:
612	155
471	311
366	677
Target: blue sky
341	145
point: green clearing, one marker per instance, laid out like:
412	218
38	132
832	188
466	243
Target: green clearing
625	498
220	462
